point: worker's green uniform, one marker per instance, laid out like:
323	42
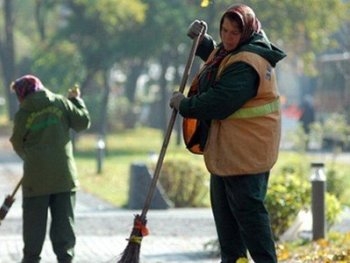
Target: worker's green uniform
41	137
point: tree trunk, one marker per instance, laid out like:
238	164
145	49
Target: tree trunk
8	57
164	108
177	81
135	71
39	19
104	109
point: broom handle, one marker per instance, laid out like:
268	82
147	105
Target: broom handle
170	127
16	188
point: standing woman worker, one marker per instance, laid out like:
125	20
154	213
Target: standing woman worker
41	137
235	101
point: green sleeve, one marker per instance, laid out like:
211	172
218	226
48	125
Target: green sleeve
78	114
205	47
237	85
18	136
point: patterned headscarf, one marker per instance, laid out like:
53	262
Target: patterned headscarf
245	16
26	85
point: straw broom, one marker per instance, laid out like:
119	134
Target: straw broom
9	200
131	253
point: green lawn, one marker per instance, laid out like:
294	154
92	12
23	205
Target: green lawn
136	145
122	150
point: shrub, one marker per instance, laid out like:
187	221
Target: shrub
335	131
185	183
290	191
287	195
338	183
333	209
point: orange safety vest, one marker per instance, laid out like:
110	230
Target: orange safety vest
247	142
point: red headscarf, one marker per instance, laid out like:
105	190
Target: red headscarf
245	16
26	85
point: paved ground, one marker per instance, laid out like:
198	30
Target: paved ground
176	235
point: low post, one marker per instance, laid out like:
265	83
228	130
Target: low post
140	182
318	182
100	154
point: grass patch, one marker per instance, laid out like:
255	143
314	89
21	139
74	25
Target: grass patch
122	150
140	144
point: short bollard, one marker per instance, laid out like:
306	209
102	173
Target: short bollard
318	181
100	154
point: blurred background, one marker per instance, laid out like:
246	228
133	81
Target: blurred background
128	56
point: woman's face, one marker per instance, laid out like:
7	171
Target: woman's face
230	34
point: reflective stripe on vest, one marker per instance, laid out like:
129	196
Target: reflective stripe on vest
256	111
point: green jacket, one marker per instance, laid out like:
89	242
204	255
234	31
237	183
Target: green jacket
237	85
218	99
41	137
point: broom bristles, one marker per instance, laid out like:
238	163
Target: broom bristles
131	253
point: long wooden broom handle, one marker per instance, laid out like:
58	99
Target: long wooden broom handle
170	127
16	188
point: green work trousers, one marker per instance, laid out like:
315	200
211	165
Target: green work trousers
35	217
241	219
